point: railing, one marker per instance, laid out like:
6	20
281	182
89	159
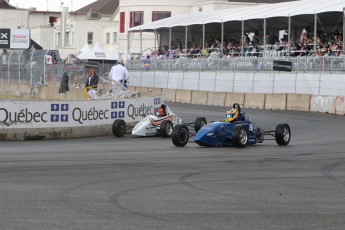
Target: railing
30	67
304	63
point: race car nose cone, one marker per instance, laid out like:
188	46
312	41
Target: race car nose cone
206	135
139	132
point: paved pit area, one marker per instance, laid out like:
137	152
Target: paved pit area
148	183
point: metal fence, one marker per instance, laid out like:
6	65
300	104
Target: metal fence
30	67
304	63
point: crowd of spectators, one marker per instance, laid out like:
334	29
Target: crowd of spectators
301	44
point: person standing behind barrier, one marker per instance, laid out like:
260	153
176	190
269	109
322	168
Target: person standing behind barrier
119	73
91	84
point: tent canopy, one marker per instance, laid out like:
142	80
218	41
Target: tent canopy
266	11
97	53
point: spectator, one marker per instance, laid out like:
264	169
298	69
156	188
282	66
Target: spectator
64	83
119	74
91	84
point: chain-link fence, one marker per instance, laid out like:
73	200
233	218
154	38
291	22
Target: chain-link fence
39	67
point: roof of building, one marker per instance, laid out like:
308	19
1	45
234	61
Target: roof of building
5	5
261	1
284	9
101	6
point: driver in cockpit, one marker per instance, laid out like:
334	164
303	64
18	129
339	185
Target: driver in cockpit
231	115
161	112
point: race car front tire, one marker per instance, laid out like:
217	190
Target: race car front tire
283	134
199	123
119	127
180	135
166	128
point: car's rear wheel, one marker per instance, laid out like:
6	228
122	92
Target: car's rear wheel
199	123
166	128
283	134
119	127
180	135
239	136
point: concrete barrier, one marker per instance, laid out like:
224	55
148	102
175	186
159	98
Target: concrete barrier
155	90
299	102
131	88
183	96
275	101
323	104
169	95
216	98
199	97
146	91
254	100
231	98
141	89
340	105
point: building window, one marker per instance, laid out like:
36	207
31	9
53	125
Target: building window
136	18
108	38
158	15
67	39
122	22
114	37
57	39
90	38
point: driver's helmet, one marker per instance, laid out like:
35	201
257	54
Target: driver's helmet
161	111
231	115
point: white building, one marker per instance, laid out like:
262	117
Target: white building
106	22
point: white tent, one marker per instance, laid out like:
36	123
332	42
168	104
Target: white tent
285	9
97	53
288	16
85	50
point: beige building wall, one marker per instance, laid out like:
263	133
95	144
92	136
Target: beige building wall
13	19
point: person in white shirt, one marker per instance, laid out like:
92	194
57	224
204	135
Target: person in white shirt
119	73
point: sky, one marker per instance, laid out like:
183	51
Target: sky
51	5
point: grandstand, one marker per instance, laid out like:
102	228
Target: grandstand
306	28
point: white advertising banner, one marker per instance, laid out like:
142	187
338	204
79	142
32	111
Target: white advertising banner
46	114
20	38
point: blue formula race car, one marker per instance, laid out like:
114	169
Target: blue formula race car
236	130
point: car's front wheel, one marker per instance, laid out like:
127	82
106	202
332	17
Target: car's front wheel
166	128
199	123
180	135
283	134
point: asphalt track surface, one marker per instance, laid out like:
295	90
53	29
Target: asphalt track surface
147	183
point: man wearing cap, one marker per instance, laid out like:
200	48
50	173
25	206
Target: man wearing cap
119	73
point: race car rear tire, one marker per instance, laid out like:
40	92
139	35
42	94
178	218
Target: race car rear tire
180	135
239	136
199	123
283	134
119	127
166	128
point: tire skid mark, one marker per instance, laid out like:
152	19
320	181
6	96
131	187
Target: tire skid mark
327	172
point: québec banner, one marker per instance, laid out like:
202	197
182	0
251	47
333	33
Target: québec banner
48	114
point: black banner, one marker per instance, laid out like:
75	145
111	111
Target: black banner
282	66
5	41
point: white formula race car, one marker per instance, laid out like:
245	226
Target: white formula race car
159	124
